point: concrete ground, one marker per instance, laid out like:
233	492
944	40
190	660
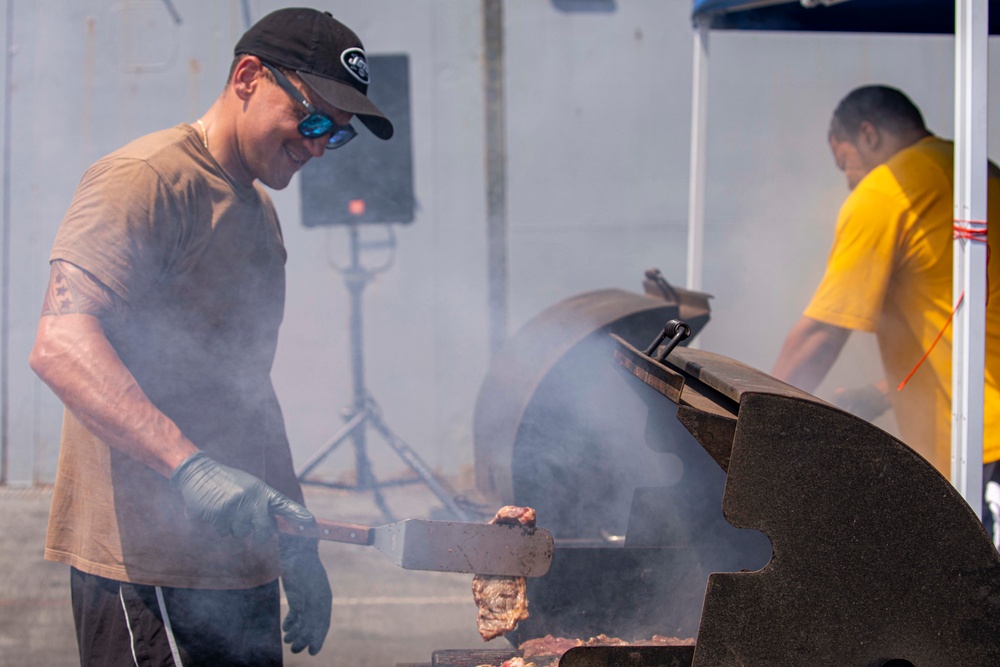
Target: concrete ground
382	614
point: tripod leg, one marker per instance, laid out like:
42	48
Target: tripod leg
340	436
366	478
411	459
356	277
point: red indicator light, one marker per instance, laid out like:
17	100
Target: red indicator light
356	206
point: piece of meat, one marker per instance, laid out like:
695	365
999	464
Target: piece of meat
548	646
515	516
604	640
513	662
502	601
660	640
517	662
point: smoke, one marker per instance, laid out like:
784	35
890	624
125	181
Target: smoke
603	460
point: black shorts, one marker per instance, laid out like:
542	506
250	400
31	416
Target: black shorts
127	625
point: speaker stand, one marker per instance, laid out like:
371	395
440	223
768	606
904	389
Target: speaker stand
364	411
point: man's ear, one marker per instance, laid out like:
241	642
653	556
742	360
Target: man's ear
246	76
869	136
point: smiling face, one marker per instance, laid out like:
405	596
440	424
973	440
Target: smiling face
269	143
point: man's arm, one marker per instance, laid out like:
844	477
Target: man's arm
808	353
73	357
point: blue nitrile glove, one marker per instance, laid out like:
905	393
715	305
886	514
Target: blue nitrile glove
235	502
308	593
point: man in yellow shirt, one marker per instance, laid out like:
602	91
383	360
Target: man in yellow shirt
890	272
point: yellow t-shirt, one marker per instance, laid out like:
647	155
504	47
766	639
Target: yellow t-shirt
890	272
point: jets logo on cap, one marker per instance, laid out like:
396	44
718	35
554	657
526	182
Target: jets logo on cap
356	63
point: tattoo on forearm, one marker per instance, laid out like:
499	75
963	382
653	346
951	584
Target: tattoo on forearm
72	290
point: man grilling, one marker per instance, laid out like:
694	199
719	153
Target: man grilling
158	332
890	272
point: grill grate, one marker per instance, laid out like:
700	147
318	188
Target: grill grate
472	657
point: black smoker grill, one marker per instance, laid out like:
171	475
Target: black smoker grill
722	504
638	527
876	559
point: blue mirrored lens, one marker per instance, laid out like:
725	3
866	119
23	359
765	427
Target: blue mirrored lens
341	137
315	125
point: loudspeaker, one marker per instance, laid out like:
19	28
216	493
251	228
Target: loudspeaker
368	180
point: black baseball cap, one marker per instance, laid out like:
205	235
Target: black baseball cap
325	53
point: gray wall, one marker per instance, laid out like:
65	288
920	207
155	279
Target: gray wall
598	146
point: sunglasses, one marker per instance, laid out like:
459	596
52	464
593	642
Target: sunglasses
317	123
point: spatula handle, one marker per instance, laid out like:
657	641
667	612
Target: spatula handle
332	531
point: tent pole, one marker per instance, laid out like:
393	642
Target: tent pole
969	347
496	172
5	253
696	193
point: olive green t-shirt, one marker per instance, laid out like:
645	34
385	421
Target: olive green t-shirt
200	260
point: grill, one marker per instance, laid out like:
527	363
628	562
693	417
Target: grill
835	543
876	559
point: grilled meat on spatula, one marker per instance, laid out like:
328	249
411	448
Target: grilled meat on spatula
502	600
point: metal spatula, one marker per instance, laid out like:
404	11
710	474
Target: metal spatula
444	546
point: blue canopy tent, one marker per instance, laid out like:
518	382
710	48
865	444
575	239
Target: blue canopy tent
972	23
887	16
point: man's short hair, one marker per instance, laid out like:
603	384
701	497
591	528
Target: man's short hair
884	107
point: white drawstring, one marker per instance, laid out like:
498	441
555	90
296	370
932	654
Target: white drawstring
166	626
128	624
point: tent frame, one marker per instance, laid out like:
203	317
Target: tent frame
969	340
970	251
